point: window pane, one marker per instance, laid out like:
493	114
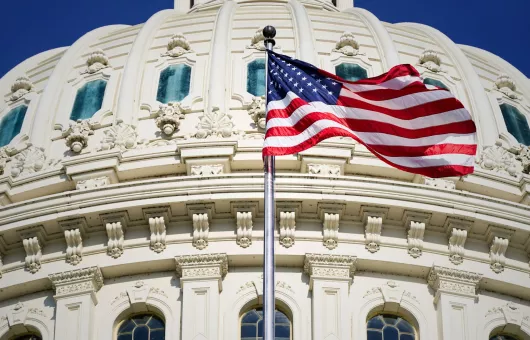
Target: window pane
434	82
127	327
390	333
141	319
174	83
125	337
11	124
256	77
375	335
142	327
155	323
516	123
283	331
141	333
281	318
405	327
390	319
251	317
376	323
158	335
88	100
248	331
351	72
406	337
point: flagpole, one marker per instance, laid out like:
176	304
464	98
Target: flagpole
269	32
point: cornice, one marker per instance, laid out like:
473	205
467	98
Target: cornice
329	266
78	281
186	262
453	281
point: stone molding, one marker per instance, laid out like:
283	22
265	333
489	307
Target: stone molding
330	230
453	281
77	282
77	134
244	228
347	45
287	228
201	230
92	183
390	292
334	267
202	267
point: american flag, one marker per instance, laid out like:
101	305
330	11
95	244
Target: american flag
414	127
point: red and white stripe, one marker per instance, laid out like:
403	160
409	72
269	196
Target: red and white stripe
416	128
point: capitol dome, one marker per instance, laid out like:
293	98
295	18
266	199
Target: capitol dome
131	189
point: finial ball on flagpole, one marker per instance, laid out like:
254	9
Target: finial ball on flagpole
269	32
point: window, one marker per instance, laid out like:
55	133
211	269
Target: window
434	82
389	327
256	77
516	123
174	83
28	337
142	327
351	72
88	100
503	337
11	124
252	325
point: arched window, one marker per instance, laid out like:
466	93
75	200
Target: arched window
252	325
503	337
88	100
142	327
516	123
174	83
351	72
256	77
389	327
28	337
11	124
434	82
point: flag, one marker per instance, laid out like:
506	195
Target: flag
414	127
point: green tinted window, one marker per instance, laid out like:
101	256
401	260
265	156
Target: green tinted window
88	100
11	124
256	77
174	83
516	123
351	72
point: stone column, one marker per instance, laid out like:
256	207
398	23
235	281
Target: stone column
75	294
201	282
330	280
455	299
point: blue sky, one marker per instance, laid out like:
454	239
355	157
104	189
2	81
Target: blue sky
30	27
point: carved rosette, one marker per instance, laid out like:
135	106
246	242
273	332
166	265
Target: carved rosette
449	280
499	159
431	60
257	112
168	117
20	87
96	61
505	85
75	282
215	123
31	160
177	45
120	136
347	45
77	135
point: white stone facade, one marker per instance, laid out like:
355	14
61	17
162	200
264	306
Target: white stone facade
151	208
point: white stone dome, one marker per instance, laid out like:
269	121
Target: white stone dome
138	149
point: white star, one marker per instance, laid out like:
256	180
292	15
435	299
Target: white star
333	83
330	93
271	82
304	78
315	89
294	68
270	91
319	80
295	84
309	84
285	75
288	64
313	75
299	73
291	79
301	90
325	86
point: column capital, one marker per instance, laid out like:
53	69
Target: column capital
453	281
325	266
202	267
77	282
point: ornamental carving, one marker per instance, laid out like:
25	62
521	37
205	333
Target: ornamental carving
347	45
77	135
453	280
96	61
331	230
498	248
505	85
120	136
20	88
257	41
497	158
30	161
4	158
323	169
338	266
256	111
457	241
523	156
439	183
287	228
177	45
431	60
77	281
33	254
92	183
215	123
74	246
390	292
116	238
372	233
157	226
203	261
415	238
244	229
201	230
206	170
168	117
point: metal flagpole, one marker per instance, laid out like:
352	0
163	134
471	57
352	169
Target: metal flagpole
269	33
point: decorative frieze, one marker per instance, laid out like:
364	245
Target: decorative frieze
120	136
513	315
20	88
287	228
347	45
256	111
206	169
505	85
439	183
455	281
339	267
96	62
498	159
201	229
168	117
92	183
215	123
116	238
244	228
177	46
157	241
391	292
201	266
372	233
331	230
31	160
431	60
323	169
33	250
415	238
79	281
457	241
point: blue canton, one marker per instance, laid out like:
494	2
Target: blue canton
288	74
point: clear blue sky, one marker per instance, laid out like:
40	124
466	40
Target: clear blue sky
30	27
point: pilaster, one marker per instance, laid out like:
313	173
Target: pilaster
330	277
75	294
455	299
201	281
